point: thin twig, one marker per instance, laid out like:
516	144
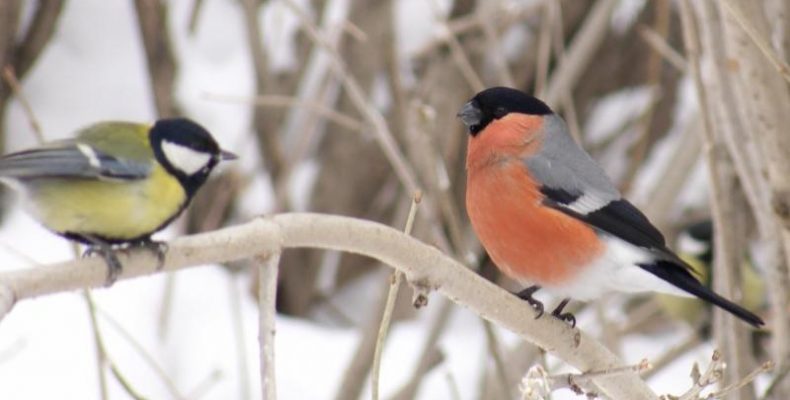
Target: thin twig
503	18
381	130
692	341
267	311
724	392
457	52
544	48
13	83
765	48
235	293
272	100
558	44
386	318
160	60
576	381
712	374
776	381
194	14
496	353
203	386
452	384
130	390
428	352
101	357
580	52
158	370
660	46
268	137
166	306
485	12
104	358
39	31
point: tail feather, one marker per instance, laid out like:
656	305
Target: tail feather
680	277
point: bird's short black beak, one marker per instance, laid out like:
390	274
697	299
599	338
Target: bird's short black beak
470	114
225	155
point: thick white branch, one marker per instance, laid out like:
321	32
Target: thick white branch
422	265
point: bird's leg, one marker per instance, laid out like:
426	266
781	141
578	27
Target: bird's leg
154	246
526	295
567	317
105	250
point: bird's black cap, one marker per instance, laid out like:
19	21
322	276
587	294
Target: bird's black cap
496	102
185	133
188	134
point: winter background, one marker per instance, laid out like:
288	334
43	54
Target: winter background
193	334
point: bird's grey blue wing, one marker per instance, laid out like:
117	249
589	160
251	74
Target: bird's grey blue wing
70	159
576	185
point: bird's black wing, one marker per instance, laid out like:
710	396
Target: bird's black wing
618	218
621	219
70	159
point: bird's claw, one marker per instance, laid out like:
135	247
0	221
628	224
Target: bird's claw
114	267
564	316
158	248
536	304
567	317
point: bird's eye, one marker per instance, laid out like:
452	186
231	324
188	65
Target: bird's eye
500	112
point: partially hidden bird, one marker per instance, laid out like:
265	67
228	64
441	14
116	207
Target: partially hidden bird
695	245
115	183
548	215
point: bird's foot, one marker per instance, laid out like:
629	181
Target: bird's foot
105	251
526	295
567	317
158	248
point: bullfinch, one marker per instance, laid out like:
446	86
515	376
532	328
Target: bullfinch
547	214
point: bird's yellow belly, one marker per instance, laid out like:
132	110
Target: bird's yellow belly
121	210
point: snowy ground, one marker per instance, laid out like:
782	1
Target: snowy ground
94	70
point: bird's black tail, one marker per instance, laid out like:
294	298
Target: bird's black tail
682	278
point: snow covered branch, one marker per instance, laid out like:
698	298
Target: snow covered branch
421	264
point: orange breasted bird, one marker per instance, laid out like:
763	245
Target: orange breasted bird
547	214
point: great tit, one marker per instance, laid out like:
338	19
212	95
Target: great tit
115	183
695	245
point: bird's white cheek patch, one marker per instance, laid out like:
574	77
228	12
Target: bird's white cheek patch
185	159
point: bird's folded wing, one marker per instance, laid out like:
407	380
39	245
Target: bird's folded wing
618	218
70	159
582	191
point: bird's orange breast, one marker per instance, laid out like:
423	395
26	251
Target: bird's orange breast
526	240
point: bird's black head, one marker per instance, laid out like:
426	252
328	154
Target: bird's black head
495	103
699	242
186	150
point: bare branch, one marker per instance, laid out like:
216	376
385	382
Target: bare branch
420	263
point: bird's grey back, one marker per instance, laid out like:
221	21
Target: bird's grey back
562	164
